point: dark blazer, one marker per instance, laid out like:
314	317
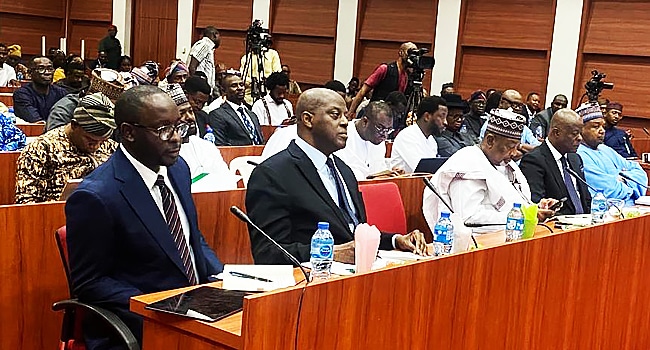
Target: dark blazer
119	243
228	128
546	181
286	198
542	119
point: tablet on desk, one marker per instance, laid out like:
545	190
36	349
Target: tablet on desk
430	165
69	188
203	303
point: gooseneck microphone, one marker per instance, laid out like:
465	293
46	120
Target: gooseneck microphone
243	217
577	177
626	177
433	189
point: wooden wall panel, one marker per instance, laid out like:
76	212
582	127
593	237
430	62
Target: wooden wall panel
618	28
484	68
90	31
27	31
37	8
154	35
95	10
315	18
504	45
233	44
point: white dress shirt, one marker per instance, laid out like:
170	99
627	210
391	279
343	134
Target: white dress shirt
410	146
556	155
7	73
278	112
149	177
363	157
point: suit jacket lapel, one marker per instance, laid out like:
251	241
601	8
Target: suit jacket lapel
352	185
235	117
552	166
139	198
307	169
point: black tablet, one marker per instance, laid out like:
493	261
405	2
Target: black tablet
430	165
203	303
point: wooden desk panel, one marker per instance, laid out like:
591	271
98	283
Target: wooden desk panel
8	177
32	275
646	167
231	152
32	129
267	131
7	98
641	145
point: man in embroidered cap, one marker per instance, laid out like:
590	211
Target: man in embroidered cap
617	139
68	152
482	182
606	170
203	157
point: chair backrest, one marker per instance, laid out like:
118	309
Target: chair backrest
61	243
240	166
384	207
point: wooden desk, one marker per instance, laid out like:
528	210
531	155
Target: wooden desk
646	167
32	129
641	145
7	95
580	289
231	152
8	177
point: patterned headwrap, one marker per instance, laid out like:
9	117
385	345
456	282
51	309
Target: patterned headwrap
14	50
95	115
589	111
506	123
477	95
176	66
615	105
146	74
175	91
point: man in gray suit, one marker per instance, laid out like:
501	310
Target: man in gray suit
539	125
233	123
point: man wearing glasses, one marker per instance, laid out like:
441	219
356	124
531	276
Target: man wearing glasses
365	148
33	101
452	139
131	225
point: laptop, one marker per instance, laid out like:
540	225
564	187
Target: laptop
430	165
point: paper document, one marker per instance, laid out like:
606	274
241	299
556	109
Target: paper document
257	277
400	255
643	200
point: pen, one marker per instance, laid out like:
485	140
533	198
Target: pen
243	275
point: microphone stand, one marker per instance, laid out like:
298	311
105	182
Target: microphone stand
631	179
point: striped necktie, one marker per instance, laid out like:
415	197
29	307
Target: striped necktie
345	206
174	223
249	126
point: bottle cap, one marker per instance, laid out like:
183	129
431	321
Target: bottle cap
323	225
516	205
444	214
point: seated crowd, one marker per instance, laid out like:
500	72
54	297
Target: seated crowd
142	145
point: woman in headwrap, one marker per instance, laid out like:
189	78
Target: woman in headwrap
14	54
176	73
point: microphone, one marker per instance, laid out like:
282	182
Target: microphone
243	217
433	189
475	224
252	163
631	179
577	177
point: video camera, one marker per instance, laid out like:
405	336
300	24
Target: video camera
417	60
596	85
258	39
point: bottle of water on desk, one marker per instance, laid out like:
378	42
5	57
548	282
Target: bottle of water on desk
598	208
322	252
514	223
443	235
209	134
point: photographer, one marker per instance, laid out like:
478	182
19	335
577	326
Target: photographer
386	78
258	43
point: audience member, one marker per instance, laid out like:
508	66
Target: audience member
545	167
100	62
14	54
482	183
417	141
288	194
112	47
270	63
475	119
447	88
138	207
603	102
540	122
397	102
33	101
57	56
336	86
125	64
387	77
618	139
197	91
602	165
75	75
67	152
208	170
532	106
353	87
147	74
274	109
7	72
176	73
233	123
365	148
201	57
452	139
294	88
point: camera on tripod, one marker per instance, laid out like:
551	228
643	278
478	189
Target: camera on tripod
258	39
596	85
417	61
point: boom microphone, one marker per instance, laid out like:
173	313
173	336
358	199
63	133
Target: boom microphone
243	217
577	177
631	179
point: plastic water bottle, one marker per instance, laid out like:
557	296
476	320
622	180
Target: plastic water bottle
322	252
10	114
514	223
598	208
209	134
19	76
538	132
463	129
443	235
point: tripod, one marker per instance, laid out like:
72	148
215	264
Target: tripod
255	54
413	101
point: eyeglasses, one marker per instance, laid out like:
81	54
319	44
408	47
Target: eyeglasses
457	117
166	132
383	130
41	70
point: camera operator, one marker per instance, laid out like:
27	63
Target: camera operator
258	43
386	78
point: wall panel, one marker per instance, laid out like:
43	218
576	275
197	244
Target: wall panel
37	8
311	58
27	30
154	31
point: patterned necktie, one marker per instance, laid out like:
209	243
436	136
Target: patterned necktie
343	199
174	223
249	125
570	187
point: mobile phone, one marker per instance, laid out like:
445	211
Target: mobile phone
558	205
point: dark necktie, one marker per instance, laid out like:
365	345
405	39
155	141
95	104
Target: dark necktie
343	199
249	125
174	223
570	187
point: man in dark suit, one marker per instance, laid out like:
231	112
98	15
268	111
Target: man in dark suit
233	123
289	193
131	225
539	125
545	166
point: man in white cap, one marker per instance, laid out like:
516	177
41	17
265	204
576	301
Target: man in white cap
481	183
